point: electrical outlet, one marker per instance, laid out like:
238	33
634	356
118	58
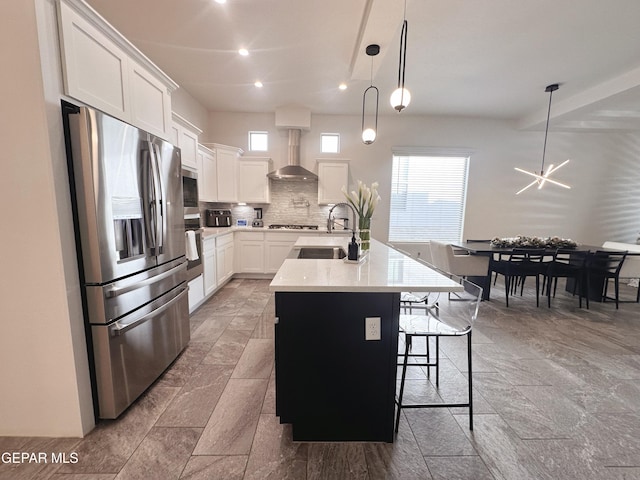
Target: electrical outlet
372	328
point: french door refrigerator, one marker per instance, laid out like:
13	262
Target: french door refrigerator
126	189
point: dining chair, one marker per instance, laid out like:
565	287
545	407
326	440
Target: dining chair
569	264
606	265
453	319
520	264
631	267
446	260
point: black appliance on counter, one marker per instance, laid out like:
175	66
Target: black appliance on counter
218	218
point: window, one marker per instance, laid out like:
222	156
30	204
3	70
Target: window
428	192
259	141
330	142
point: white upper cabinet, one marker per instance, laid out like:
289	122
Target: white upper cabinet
332	176
184	134
103	69
226	171
253	184
207	174
150	101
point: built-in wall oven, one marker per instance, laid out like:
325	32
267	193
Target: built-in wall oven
192	219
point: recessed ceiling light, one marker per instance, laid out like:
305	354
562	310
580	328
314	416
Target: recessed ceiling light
221	1
342	86
244	52
258	84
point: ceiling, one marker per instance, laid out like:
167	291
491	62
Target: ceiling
489	58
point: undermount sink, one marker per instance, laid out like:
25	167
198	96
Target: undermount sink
322	252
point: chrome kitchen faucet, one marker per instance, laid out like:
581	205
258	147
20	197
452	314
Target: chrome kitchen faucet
331	221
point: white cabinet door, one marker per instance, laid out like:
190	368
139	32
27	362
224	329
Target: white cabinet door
150	102
209	265
276	251
250	256
104	70
277	247
187	139
227	175
208	175
196	293
253	184
189	148
224	257
249	250
332	176
229	268
96	70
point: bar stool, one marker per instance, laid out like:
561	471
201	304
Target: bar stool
455	320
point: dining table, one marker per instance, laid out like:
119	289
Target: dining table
486	248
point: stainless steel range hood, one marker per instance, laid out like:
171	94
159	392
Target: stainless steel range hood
293	171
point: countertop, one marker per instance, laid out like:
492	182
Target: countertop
382	270
217	231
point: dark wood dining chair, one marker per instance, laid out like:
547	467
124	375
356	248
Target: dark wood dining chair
569	264
603	265
521	263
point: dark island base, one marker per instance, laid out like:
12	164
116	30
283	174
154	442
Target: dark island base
331	383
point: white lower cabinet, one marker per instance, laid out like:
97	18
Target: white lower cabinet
224	257
250	252
276	248
209	265
196	292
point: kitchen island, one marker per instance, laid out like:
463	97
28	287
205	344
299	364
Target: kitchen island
336	370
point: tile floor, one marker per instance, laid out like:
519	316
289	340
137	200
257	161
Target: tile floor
557	396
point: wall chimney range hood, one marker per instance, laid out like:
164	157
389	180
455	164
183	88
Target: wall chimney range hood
293	171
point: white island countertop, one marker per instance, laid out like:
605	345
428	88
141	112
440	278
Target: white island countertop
382	270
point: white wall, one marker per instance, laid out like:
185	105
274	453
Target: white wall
594	210
188	108
43	370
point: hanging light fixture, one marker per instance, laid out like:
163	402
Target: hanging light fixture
401	97
369	134
543	177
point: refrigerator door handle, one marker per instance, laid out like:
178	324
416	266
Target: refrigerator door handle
116	291
118	329
148	186
161	218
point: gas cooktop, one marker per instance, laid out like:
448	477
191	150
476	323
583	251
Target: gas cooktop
293	227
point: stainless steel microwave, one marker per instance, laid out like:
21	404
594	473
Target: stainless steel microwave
190	191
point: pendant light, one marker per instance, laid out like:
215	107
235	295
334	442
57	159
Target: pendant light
401	97
543	177
369	134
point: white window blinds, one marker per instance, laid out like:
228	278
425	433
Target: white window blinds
427	197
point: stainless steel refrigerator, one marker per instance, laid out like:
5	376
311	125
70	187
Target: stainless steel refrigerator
126	188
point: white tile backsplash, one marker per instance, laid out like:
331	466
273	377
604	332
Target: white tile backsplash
292	202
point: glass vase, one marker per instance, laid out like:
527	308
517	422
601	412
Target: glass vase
364	226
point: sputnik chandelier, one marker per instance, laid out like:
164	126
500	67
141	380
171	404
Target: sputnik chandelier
543	176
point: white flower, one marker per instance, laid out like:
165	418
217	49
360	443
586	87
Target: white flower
365	200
